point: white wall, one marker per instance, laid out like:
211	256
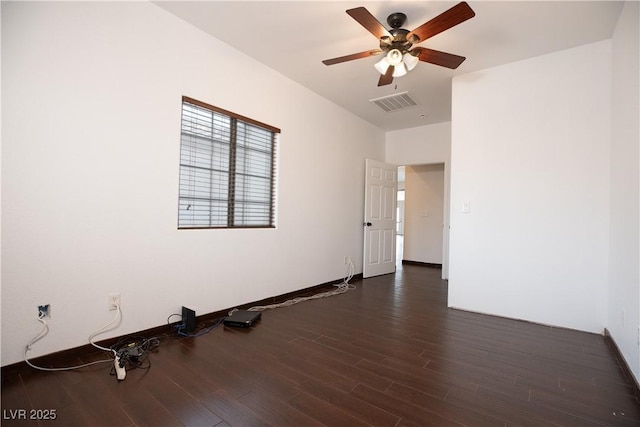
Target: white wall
420	145
530	152
624	257
424	213
424	145
90	140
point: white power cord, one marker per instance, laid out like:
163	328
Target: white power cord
341	288
106	328
45	330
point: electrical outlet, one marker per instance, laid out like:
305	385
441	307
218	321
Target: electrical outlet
44	311
114	302
347	260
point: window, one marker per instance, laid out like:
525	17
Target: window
227	169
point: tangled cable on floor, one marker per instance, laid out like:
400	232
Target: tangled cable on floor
341	288
133	352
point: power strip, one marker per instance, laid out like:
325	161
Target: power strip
121	372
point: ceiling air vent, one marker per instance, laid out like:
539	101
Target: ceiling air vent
395	102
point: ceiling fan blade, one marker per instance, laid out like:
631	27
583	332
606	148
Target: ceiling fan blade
436	57
387	78
351	57
450	18
368	21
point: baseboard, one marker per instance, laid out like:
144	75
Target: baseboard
64	356
422	264
626	369
517	319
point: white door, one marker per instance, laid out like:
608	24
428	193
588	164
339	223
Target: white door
381	187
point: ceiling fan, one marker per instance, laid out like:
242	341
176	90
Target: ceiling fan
397	44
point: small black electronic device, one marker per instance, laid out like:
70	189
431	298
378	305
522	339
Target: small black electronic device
242	318
188	320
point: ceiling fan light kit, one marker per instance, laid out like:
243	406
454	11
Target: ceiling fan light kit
393	58
399	70
396	44
382	65
410	60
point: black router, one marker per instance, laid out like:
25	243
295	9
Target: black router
188	320
242	318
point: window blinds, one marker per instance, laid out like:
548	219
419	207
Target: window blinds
227	169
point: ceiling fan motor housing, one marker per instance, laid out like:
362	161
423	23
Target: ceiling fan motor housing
398	40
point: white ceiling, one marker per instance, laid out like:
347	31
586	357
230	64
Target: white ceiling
293	37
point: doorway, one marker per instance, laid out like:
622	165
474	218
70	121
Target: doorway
422	223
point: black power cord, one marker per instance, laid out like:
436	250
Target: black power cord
133	352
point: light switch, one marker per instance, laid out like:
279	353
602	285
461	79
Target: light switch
466	207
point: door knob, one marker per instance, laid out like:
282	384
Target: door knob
368	224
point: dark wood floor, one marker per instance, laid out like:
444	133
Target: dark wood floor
389	353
